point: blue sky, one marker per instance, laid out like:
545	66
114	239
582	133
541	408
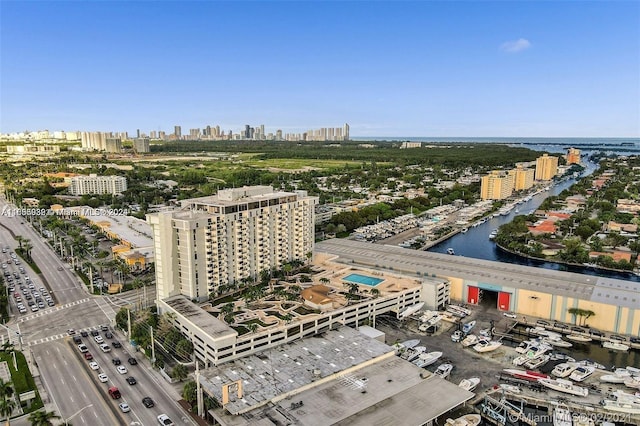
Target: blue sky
387	68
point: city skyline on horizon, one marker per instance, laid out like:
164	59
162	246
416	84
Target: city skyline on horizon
408	69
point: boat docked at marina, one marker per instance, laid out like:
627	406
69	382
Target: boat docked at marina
623	396
410	343
564	370
580	338
632	382
466	328
426	359
537	362
564	386
590	363
469	384
487	346
556	341
451	251
410	310
531	376
562	416
621	406
413	353
493	234
466	420
581	373
615	345
470	340
444	370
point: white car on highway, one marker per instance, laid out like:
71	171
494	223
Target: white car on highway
94	365
98	339
103	378
122	369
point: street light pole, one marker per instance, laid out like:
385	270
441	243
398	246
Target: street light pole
66	421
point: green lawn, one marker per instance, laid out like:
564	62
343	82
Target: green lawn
22	378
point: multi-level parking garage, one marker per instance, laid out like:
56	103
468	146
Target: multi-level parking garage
526	290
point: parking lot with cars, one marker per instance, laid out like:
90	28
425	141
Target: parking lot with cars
26	294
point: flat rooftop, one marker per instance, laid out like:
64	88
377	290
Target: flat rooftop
388	390
421	263
199	317
135	231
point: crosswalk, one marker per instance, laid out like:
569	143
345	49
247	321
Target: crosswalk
52	310
59	336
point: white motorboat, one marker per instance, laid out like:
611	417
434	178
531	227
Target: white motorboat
468	327
562	416
537	362
469	384
621	406
410	343
456	336
493	234
466	420
444	370
426	359
559	356
410	310
564	370
581	373
589	363
557	342
613	378
623	396
614	345
632	382
470	340
451	251
580	338
487	346
564	386
413	353
510	388
524	346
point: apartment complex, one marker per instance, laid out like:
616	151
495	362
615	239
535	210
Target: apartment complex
141	145
522	177
225	238
94	184
546	167
573	156
497	185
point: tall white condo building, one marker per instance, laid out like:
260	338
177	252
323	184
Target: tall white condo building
235	234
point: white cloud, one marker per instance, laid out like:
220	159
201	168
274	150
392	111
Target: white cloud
516	45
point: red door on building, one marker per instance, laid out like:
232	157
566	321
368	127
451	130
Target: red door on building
504	300
473	294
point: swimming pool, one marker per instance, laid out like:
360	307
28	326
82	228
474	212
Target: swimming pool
362	279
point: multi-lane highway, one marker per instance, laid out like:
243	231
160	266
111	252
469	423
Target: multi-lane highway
73	389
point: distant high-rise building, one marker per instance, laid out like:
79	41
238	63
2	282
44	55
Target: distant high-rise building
573	156
223	239
497	185
113	145
345	132
141	145
177	131
278	135
162	135
546	167
247	131
194	134
522	177
137	133
153	134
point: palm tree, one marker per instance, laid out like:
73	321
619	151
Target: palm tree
6	408
325	280
43	418
26	247
252	327
19	239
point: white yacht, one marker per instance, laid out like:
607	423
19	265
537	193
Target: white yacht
444	370
564	386
581	373
580	338
615	345
426	359
413	353
469	384
410	310
537	362
470	340
632	382
621	406
510	388
562	416
487	345
556	341
623	396
466	328
564	370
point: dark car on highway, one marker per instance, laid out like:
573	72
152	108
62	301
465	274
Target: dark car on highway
133	361
148	402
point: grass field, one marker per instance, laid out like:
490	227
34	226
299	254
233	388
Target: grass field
22	378
298	163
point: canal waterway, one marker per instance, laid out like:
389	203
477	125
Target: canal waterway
475	242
